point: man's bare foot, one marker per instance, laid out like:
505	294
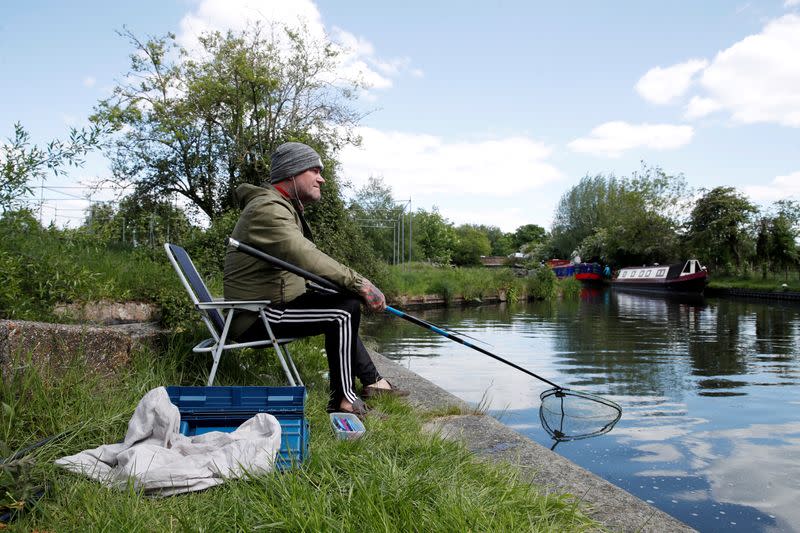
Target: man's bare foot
381	387
382	384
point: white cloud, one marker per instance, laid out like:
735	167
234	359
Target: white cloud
699	107
663	85
758	78
414	164
357	56
779	188
613	138
791	3
499	182
89	81
223	15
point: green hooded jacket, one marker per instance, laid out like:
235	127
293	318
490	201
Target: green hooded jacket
272	224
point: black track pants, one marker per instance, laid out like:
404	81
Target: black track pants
337	316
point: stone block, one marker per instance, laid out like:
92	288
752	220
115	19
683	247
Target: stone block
109	312
52	347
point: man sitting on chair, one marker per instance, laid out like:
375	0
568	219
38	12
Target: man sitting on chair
272	220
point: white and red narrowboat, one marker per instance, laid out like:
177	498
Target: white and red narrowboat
688	277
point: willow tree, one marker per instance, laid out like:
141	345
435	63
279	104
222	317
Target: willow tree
198	122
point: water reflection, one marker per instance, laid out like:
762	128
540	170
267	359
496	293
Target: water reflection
709	391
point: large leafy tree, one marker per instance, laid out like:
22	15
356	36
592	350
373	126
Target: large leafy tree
621	220
434	236
718	227
501	243
777	234
470	244
528	234
198	123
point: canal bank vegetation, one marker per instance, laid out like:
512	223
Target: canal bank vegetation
470	284
41	267
396	478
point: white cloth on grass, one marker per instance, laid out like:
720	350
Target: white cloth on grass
156	458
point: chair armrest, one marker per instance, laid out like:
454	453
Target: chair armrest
255	305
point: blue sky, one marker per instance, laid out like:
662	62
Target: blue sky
488	110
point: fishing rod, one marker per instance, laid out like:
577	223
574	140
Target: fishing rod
327	284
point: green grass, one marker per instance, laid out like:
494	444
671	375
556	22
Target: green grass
396	478
40	267
569	287
773	282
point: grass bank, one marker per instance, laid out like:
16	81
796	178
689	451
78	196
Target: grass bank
471	283
756	281
395	479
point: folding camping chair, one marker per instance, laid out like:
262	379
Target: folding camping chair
217	316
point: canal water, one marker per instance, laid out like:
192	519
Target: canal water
710	392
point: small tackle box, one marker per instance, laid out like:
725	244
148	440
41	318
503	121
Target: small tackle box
205	409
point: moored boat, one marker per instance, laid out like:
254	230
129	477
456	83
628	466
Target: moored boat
584	272
688	277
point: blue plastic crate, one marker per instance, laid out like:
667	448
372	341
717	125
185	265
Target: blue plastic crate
205	409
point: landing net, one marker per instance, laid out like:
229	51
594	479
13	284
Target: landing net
572	415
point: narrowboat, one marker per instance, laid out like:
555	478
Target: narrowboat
688	277
583	272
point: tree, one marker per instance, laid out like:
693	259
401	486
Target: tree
471	243
375	211
621	220
21	162
777	234
434	236
199	124
528	234
501	243
718	227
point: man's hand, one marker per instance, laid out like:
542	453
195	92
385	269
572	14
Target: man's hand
373	297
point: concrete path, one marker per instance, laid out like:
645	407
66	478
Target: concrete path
610	505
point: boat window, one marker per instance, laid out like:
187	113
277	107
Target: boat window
641	273
661	272
648	273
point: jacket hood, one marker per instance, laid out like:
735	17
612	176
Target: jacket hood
246	192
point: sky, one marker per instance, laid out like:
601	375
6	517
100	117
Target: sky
489	111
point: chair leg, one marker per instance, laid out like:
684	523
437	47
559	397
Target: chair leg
217	354
278	350
291	364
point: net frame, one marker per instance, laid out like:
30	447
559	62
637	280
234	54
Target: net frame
560	394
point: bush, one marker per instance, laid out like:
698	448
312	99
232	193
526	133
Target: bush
541	283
